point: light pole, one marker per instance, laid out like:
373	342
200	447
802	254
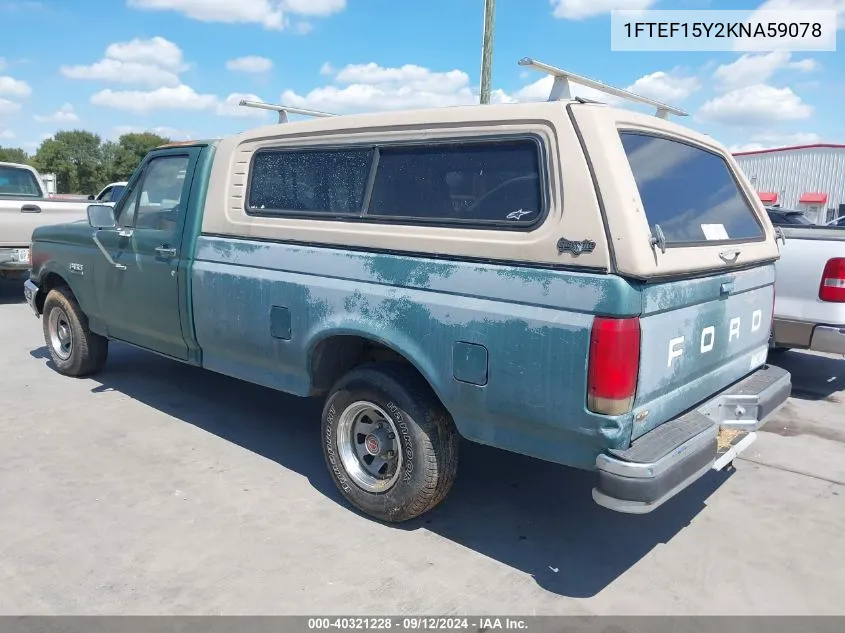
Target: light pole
487	49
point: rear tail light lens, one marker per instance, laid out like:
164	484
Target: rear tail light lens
614	364
832	286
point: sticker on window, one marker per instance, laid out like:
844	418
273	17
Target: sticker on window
714	232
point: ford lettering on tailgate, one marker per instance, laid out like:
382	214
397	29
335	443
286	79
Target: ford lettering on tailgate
697	340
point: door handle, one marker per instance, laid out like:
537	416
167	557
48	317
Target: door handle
165	251
30	208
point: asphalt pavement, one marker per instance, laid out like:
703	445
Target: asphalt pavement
158	488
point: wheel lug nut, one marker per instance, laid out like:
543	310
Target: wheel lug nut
392	436
390	454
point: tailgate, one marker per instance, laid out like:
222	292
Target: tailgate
698	337
19	217
675	202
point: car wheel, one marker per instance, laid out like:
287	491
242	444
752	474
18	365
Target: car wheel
389	443
73	347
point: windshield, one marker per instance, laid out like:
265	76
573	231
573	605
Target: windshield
15	181
690	192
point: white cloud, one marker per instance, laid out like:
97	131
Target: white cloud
250	64
181	97
666	87
167	132
153	62
7	135
327	69
8	107
303	28
156	50
112	70
580	9
14	87
748	70
229	106
2	63
363	87
65	114
769	141
755	105
272	14
541	89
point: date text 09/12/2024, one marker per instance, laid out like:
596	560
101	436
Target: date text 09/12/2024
417	623
722	29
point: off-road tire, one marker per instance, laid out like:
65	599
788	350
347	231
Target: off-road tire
88	351
427	438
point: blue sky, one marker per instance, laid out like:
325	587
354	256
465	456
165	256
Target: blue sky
176	66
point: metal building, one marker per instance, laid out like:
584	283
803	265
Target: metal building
806	177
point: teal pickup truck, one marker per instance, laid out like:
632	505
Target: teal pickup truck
579	283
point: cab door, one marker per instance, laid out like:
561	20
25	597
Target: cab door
139	294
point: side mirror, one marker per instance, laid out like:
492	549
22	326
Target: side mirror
101	216
92	197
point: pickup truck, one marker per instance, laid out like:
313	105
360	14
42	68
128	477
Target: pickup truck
810	290
25	205
575	282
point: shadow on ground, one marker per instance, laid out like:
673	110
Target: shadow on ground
11	291
534	516
814	376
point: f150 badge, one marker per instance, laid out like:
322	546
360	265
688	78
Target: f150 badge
79	269
575	247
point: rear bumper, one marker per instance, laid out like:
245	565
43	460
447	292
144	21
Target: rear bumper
803	335
827	338
663	462
10	259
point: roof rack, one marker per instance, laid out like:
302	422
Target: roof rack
283	110
563	79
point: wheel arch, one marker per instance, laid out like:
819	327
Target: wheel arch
332	353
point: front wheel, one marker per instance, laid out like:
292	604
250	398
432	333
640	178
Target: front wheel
390	445
74	348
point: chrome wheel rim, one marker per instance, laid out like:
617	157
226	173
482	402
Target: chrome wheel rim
61	335
368	445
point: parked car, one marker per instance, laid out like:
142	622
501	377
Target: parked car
787	217
837	222
24	206
810	290
110	193
521	275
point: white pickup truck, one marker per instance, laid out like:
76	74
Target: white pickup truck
24	206
810	290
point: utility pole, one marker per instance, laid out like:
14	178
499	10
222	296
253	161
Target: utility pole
487	49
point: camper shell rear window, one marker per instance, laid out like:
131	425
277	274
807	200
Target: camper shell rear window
689	192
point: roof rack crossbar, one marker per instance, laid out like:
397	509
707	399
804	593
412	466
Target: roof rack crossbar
561	88
283	110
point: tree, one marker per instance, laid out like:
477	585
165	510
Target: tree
76	157
129	152
14	155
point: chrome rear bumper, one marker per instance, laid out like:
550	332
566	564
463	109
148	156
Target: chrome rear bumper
664	461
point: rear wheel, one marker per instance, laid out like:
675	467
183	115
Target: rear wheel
390	445
74	348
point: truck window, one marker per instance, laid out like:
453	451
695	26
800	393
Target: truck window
690	192
18	182
467	182
313	181
154	203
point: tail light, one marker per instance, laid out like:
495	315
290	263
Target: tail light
614	364
832	286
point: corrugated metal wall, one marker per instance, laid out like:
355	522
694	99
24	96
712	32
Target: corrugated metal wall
793	172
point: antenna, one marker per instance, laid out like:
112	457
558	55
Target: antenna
561	88
283	110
